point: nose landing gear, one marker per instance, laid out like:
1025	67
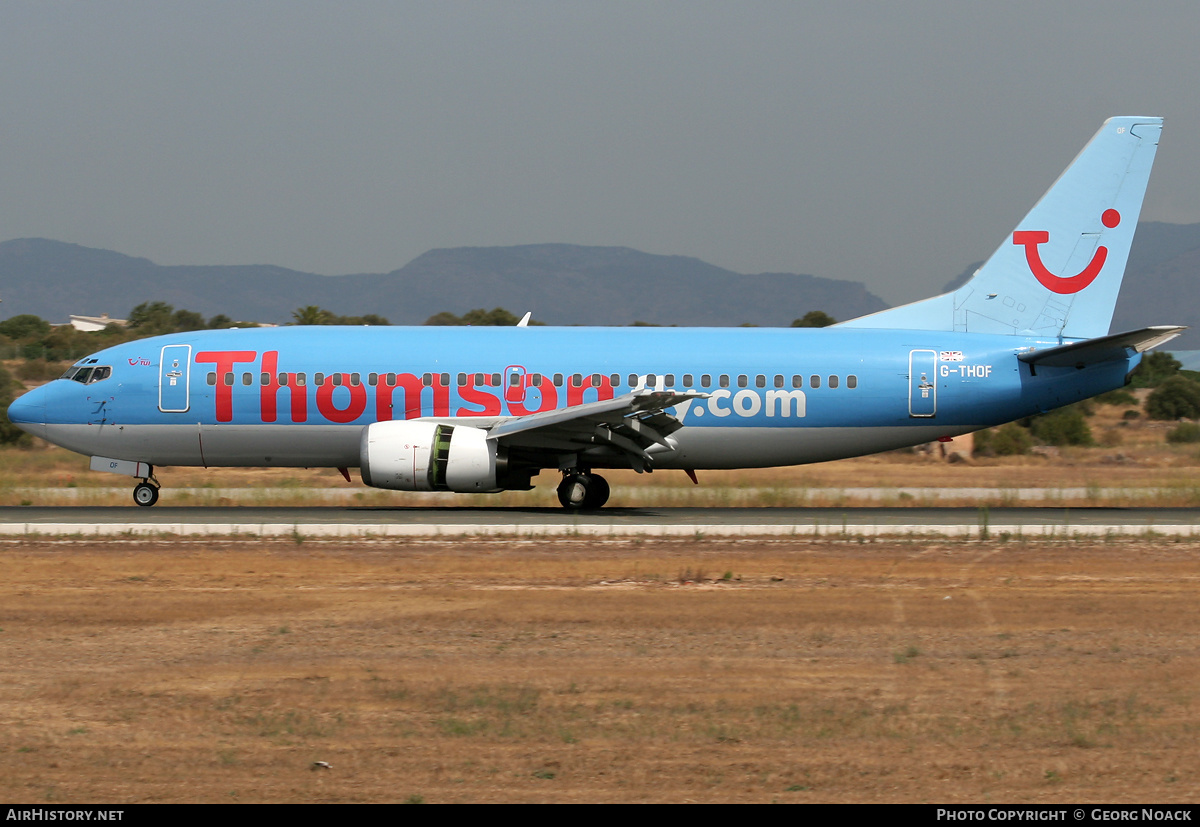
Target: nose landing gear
582	491
146	491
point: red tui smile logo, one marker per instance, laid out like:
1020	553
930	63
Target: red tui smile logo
1063	285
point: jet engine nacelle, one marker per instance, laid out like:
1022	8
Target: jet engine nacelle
428	456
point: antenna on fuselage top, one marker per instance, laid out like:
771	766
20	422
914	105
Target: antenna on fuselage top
525	319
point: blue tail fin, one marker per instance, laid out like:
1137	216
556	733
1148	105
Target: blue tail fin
1058	274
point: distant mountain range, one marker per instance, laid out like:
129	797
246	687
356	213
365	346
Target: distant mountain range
561	283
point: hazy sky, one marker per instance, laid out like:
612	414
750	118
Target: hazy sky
887	142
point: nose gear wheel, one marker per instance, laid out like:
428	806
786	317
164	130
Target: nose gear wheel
145	494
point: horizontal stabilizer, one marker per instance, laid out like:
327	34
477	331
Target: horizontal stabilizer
1102	349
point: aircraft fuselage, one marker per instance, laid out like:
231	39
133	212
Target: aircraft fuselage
301	396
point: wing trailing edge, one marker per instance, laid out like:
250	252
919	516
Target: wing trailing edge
632	424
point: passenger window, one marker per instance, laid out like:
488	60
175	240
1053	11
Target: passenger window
462	380
833	381
445	380
687	380
558	380
318	379
211	378
669	381
742	380
229	380
514	380
597	380
301	379
372	379
337	379
479	379
537	380
427	379
814	381
264	379
760	381
633	380
615	380
283	380
724	380
495	380
779	380
705	380
391	380
797	380
852	381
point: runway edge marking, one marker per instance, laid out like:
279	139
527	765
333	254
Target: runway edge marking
799	531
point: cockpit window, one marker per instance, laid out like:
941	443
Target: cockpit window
88	376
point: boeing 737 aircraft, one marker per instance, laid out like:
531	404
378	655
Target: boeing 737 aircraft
485	409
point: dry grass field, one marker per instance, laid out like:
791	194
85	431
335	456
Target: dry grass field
612	671
616	671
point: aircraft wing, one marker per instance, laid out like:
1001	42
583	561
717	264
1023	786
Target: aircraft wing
632	424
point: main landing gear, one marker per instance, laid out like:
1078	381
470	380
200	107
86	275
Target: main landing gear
146	491
582	490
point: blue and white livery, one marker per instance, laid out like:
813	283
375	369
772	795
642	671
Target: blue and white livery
485	409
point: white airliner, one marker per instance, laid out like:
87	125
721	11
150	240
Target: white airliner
485	409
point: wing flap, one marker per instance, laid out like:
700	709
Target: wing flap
636	424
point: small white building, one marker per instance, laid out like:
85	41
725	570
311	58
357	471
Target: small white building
90	324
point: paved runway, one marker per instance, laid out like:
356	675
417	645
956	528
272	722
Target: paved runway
679	522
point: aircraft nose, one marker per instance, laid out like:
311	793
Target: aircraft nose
28	412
